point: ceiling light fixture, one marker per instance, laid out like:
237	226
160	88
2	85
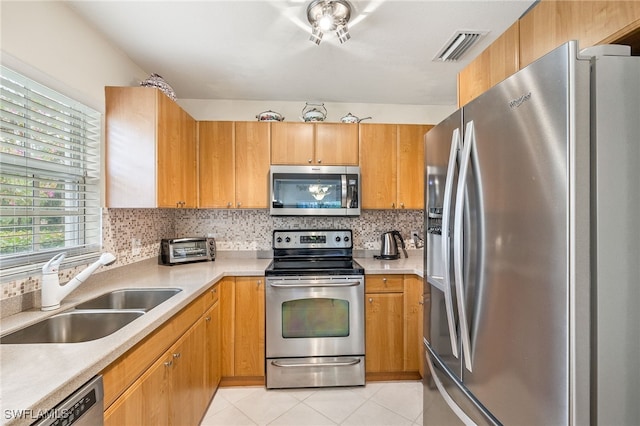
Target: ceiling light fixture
329	15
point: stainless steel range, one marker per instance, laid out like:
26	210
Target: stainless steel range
314	311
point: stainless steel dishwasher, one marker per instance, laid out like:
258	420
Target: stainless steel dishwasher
83	407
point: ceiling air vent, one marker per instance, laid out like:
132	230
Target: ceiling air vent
458	45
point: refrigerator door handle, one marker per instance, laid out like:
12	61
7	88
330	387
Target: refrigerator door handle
456	144
468	146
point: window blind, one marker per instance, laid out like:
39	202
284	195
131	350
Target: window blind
49	177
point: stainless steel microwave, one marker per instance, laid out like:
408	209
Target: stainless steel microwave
315	190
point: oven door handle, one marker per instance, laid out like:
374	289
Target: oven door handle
346	363
280	284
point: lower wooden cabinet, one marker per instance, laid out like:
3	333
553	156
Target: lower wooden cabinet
393	327
243	324
177	387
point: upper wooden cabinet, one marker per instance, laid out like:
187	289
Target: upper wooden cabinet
314	143
551	23
233	159
150	150
392	165
494	64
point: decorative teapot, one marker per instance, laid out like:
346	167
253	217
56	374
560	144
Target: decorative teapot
314	112
270	116
350	118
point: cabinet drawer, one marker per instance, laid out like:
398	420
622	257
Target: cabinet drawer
384	283
211	296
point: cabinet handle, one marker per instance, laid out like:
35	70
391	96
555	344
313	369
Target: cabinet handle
402	205
176	355
393	205
168	363
259	283
309	161
384	280
319	161
229	204
239	204
214	290
370	300
207	319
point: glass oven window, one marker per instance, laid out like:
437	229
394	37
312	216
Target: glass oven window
301	191
317	317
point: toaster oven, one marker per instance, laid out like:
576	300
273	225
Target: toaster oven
186	250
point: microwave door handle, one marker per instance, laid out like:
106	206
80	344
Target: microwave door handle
458	241
343	185
446	213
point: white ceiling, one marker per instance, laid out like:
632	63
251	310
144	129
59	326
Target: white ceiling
259	50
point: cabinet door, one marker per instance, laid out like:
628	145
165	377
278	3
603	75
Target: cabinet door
227	302
176	173
413	323
212	351
378	167
249	326
552	23
292	143
147	401
188	398
216	162
494	64
336	144
384	332
252	164
130	147
411	166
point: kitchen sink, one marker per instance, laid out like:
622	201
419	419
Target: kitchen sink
73	327
139	299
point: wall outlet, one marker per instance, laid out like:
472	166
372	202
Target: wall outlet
136	246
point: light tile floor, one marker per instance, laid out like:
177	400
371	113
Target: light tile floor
377	403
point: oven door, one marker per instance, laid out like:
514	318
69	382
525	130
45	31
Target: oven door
314	316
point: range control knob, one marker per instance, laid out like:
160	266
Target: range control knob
288	239
279	240
338	239
346	239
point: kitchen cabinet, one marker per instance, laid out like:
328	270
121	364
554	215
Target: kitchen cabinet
243	325
150	150
393	316
384	337
494	64
171	391
170	376
314	143
233	164
213	352
551	23
392	165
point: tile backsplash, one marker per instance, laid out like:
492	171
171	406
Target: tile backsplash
234	230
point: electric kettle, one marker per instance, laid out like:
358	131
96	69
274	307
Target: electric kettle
389	246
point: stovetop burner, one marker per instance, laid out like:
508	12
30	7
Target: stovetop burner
313	252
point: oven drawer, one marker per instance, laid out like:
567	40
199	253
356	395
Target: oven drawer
315	372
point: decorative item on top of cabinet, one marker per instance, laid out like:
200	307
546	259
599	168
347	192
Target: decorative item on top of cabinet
150	150
392	165
233	164
314	143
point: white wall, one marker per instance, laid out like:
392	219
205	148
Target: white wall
48	42
201	109
60	50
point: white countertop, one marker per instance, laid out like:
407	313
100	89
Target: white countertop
35	378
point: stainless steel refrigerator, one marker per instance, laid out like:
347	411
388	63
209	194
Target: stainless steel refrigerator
532	261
